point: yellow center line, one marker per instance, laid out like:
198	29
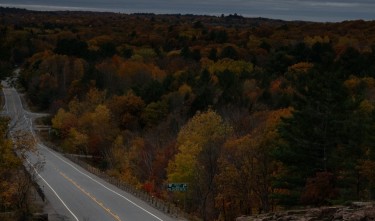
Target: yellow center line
91	197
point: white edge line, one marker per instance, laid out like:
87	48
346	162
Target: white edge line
102	184
53	191
39	174
6	101
89	178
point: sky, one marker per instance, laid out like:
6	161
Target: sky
306	10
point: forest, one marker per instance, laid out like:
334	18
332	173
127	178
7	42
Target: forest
254	115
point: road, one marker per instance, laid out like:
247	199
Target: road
72	192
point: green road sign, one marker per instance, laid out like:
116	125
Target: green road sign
174	187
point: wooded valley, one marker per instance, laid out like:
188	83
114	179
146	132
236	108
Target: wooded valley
254	115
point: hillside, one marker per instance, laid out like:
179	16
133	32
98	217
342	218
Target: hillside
253	114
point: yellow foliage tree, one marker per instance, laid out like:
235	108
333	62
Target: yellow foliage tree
15	184
310	41
63	122
76	142
247	168
237	67
199	143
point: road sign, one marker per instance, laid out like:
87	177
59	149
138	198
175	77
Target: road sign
174	187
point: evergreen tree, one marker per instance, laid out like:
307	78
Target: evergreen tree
317	133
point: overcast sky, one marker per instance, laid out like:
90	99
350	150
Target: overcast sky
312	10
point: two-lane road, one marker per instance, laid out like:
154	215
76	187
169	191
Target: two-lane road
74	193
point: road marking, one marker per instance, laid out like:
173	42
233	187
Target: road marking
109	189
6	101
78	171
91	197
40	176
75	217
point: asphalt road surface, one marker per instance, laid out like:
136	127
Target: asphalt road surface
72	192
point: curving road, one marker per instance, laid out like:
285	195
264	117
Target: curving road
74	193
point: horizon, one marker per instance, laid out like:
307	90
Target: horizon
288	10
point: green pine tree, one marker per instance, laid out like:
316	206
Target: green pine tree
317	133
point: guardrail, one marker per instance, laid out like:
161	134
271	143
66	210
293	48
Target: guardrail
159	204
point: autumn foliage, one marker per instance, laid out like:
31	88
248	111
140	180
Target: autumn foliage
253	114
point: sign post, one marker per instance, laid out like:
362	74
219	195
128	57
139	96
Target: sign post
177	187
